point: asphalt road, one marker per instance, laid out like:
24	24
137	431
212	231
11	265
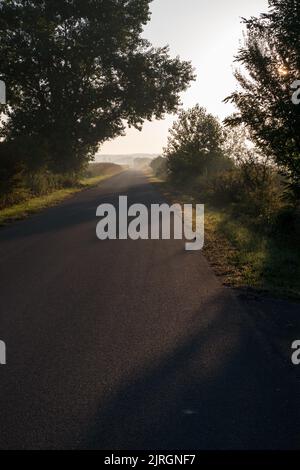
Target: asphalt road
129	344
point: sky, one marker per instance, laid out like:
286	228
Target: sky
206	32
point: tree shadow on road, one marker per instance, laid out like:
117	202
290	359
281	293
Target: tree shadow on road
218	390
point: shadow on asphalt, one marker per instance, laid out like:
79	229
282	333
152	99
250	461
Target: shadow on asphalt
79	209
218	390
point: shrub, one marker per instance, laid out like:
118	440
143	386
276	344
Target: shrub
159	167
253	189
195	146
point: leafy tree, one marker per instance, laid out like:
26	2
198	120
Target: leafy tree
195	145
78	71
236	143
159	166
271	58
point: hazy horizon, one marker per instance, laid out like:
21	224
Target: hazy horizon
207	34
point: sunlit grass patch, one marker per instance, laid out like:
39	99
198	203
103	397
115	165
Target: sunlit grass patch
247	257
36	204
243	254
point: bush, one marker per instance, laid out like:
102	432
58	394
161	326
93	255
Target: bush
20	179
195	146
289	218
159	167
252	188
101	168
12	170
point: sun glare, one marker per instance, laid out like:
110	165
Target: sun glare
282	70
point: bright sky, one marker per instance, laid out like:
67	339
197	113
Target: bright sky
206	32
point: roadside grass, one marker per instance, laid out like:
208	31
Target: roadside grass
249	259
242	255
37	204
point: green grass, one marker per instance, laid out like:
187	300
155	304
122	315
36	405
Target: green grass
243	255
36	204
251	258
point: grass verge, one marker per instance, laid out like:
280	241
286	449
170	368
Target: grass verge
243	256
37	204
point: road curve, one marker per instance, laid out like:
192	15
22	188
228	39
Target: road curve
129	344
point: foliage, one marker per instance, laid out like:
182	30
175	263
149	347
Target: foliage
30	205
78	71
159	167
141	163
253	189
271	58
101	168
195	145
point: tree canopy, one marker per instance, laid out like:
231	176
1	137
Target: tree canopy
79	71
271	59
195	144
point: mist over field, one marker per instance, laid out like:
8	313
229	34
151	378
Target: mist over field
126	159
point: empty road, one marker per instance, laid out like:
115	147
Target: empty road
129	344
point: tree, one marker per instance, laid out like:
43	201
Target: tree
195	144
78	71
271	58
159	166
